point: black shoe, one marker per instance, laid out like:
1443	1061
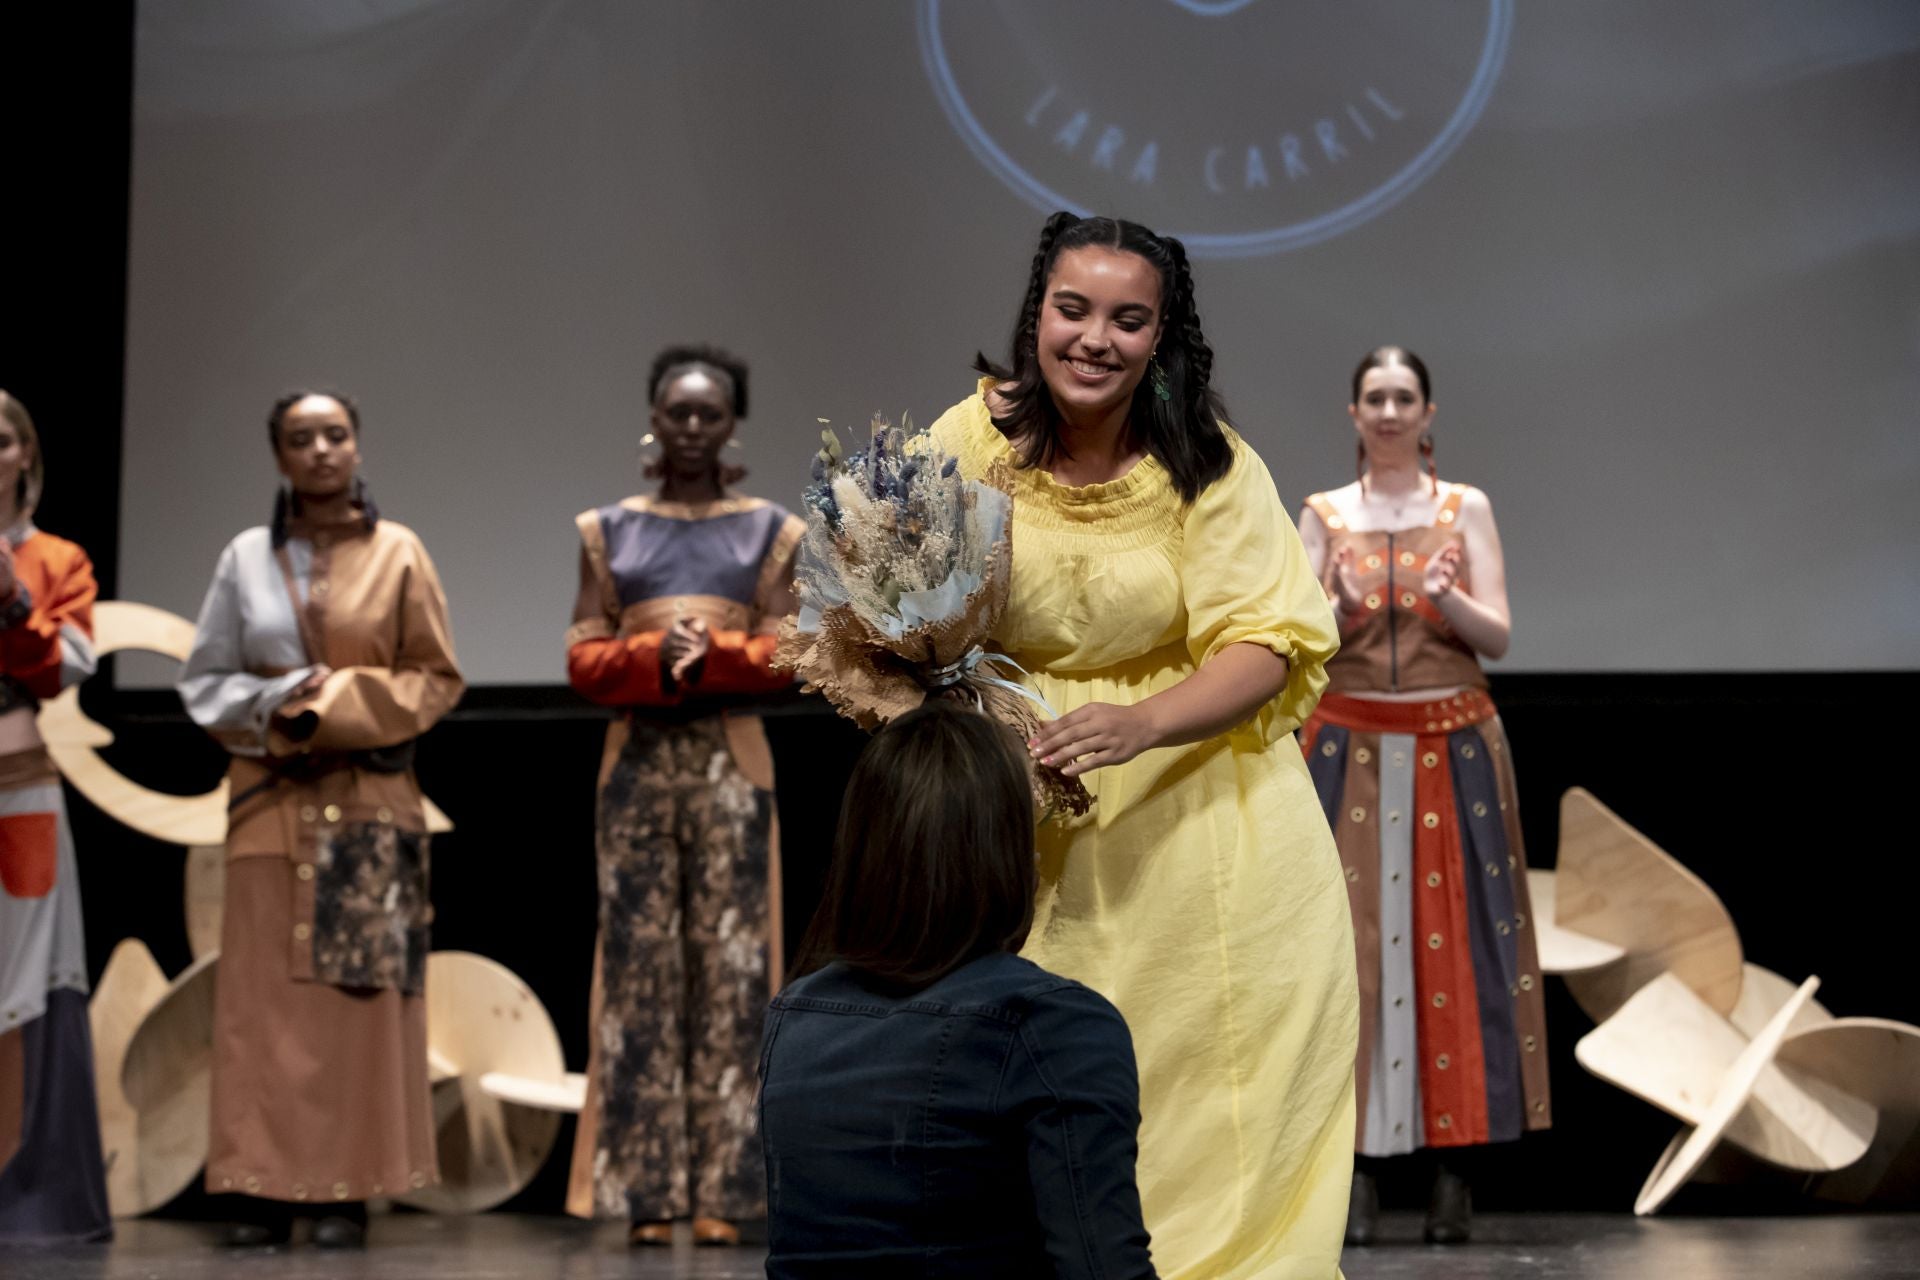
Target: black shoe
1363	1209
265	1226
343	1226
1450	1209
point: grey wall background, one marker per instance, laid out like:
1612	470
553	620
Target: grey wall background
1668	280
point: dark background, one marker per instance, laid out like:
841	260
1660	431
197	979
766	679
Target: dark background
1781	790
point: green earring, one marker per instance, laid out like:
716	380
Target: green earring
1157	374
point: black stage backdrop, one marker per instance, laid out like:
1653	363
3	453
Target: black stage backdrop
1781	791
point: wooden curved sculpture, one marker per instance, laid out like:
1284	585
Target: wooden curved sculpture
167	1080
1614	887
129	988
1876	1061
1737	1053
74	741
500	1082
205	882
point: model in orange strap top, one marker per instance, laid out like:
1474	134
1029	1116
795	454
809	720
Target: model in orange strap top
680	595
52	1183
322	653
1412	767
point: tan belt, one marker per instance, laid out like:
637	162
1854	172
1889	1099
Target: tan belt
718	612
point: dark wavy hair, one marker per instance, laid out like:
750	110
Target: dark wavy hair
732	367
933	860
286	503
1182	431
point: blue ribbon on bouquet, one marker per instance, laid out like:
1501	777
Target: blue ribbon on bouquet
952	673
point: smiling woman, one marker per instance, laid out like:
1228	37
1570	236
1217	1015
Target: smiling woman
1162	601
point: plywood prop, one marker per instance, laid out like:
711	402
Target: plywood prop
205	881
74	741
484	1023
1668	1047
130	986
167	1078
1878	1062
1561	950
1731	1096
1615	886
568	1096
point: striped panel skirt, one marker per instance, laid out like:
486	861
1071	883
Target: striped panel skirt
1421	800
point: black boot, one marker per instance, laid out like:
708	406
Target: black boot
1450	1208
256	1224
1363	1208
343	1226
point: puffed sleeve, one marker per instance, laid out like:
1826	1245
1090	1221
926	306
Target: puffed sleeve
966	432
362	707
52	646
219	693
1246	580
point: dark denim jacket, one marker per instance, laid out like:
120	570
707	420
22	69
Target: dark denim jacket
983	1126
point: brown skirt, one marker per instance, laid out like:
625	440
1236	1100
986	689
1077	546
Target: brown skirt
319	1093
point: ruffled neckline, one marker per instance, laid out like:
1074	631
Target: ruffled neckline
1144	479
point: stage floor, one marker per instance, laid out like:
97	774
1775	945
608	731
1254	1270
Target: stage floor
1541	1247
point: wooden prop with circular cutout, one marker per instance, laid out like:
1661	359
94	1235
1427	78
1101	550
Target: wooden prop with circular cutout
205	878
1614	886
1561	950
1878	1062
1668	1047
73	740
129	988
1731	1098
489	1039
167	1078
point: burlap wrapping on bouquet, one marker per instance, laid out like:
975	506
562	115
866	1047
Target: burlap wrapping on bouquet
870	677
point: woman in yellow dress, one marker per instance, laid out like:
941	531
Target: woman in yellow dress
1163	604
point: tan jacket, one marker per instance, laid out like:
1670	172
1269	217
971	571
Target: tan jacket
375	611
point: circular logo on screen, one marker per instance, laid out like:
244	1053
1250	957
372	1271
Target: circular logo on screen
1241	126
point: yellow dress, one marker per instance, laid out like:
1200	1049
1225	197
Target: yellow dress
1202	895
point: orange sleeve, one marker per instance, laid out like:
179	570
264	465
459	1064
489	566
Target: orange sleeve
621	671
31	652
737	662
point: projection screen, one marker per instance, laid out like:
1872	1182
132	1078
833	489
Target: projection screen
1663	259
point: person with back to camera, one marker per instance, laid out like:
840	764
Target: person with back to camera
322	653
932	1105
680	594
1413	771
1162	602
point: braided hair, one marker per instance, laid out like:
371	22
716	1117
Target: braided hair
286	503
1183	431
